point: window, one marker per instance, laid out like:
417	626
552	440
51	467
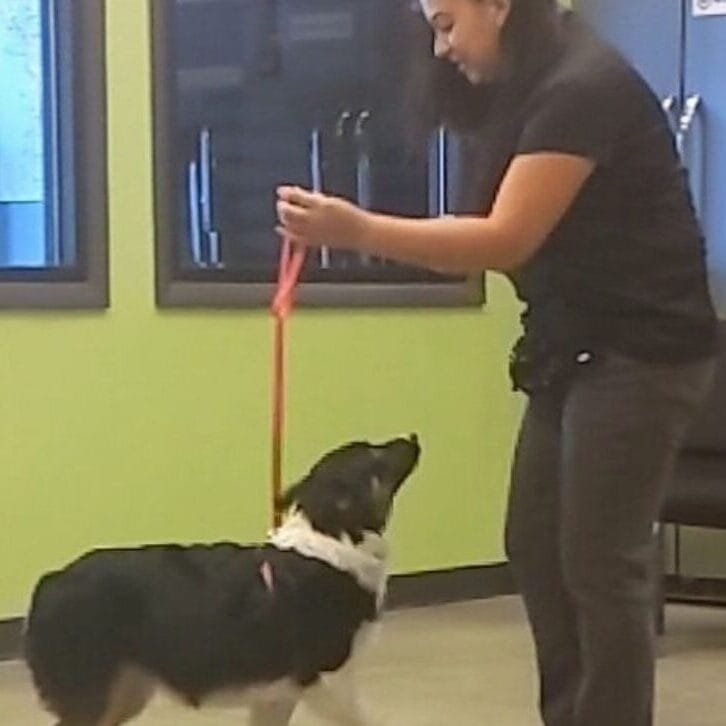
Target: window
252	93
52	154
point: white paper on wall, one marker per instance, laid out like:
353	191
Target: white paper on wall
709	7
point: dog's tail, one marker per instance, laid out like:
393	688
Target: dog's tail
72	649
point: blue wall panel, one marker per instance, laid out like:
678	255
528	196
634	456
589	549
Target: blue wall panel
647	32
680	54
705	151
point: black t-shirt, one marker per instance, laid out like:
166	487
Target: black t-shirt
625	269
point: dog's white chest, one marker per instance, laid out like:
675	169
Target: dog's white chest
366	561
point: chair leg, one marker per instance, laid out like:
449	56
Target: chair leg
677	549
660	580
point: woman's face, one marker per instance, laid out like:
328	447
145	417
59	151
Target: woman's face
467	33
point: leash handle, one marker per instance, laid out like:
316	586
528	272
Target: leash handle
291	262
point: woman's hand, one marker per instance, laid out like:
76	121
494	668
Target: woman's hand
317	220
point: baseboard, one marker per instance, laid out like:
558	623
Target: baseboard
442	586
412	590
697	590
10	631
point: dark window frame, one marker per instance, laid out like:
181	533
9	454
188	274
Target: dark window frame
210	289
85	283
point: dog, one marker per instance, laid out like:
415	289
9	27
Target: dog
269	624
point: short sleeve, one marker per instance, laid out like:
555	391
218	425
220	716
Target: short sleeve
579	118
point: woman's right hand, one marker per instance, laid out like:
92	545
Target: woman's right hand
312	219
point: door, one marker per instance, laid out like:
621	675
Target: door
705	146
680	48
647	32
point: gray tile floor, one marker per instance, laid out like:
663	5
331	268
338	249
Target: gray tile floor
467	664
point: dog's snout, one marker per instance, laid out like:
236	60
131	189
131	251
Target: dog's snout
405	452
414	445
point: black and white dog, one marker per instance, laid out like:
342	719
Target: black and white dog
270	624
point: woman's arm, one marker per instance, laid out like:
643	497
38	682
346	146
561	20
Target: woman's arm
536	192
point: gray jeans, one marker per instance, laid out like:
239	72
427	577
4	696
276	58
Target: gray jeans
591	466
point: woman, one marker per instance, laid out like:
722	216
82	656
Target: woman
583	204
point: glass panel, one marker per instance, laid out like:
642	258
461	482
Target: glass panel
33	35
306	92
22	178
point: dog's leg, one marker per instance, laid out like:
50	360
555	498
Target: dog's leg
337	700
130	693
276	713
124	697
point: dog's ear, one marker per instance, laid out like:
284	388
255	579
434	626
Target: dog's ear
291	495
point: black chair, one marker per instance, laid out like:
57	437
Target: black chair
697	497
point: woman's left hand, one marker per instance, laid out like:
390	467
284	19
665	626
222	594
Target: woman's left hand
316	220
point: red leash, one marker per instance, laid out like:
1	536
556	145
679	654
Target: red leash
291	262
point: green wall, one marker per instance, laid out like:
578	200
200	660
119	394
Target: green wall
136	425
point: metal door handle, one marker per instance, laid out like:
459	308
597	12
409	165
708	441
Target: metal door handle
316	174
363	160
442	153
686	119
195	234
669	104
690	108
342	122
203	237
364	191
693	166
206	207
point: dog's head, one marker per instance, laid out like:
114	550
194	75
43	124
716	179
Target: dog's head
351	489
